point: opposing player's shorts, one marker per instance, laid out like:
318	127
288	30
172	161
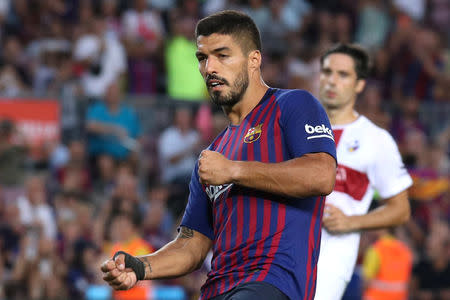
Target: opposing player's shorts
251	291
330	286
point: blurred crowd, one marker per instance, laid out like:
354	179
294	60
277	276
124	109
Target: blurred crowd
118	178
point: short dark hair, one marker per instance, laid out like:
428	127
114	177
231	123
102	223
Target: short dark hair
235	23
357	53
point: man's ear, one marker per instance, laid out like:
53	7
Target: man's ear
254	60
360	84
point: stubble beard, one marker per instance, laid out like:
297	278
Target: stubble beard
238	89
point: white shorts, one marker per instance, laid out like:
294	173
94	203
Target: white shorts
330	286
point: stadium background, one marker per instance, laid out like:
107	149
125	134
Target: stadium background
63	189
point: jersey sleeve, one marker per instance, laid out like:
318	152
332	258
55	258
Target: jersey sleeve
198	213
388	173
305	125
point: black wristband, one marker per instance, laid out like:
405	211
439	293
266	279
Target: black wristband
132	262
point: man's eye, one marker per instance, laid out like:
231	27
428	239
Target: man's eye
223	55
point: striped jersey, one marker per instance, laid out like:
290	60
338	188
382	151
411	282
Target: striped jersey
258	236
368	160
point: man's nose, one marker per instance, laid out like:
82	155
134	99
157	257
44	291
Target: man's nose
331	79
211	66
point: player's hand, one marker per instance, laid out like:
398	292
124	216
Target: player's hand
116	275
214	168
335	221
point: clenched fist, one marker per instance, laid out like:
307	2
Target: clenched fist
335	221
116	275
215	169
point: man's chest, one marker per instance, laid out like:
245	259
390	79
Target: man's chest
252	141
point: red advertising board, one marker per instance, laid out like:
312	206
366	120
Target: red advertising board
36	120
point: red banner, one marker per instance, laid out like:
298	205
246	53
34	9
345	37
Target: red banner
36	120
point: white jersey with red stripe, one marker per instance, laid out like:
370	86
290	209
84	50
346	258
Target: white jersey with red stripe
368	160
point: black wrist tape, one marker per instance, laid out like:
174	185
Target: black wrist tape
133	263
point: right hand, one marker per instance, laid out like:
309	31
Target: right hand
116	275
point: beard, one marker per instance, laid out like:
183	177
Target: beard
237	90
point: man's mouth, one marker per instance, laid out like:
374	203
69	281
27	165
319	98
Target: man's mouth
331	94
214	83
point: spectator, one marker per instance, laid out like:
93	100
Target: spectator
178	148
82	272
13	152
49	51
184	81
14	77
259	12
104	182
432	277
113	126
34	210
102	60
371	106
69	95
407	121
158	222
109	11
126	237
414	9
143	33
276	29
374	24
76	168
387	263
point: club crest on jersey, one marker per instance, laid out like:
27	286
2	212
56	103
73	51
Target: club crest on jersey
353	146
253	134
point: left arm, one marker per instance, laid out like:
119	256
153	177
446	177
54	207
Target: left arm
312	174
395	211
389	176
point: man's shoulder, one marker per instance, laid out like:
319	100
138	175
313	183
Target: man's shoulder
375	132
295	99
293	95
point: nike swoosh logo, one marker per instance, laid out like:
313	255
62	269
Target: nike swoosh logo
222	191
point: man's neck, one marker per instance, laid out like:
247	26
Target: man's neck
250	99
342	116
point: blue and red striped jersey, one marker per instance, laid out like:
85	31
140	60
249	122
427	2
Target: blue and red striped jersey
260	236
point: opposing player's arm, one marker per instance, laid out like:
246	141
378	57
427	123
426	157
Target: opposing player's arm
312	174
181	256
388	175
395	211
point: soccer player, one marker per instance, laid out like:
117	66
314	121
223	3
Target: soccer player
368	160
257	193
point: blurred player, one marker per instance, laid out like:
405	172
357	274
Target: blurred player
256	195
368	160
